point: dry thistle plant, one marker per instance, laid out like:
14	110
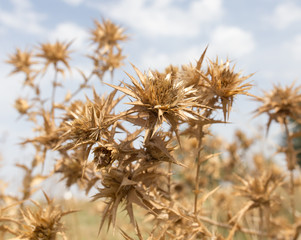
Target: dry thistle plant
282	104
54	54
108	53
22	61
41	223
223	84
159	98
189	183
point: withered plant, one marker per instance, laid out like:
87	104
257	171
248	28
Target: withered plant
282	104
44	222
159	157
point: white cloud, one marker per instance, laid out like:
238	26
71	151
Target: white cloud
285	14
73	2
295	47
2	31
23	17
186	55
162	17
231	41
206	10
68	31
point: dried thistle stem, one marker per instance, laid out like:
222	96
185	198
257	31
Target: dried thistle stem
292	194
198	158
261	222
169	179
198	162
54	85
267	217
291	165
228	226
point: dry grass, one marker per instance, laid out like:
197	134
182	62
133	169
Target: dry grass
167	177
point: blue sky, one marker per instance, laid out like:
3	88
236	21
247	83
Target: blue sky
261	36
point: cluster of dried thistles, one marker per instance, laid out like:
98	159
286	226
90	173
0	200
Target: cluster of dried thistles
158	155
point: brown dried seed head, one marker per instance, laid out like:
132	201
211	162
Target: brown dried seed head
161	98
55	53
72	170
22	61
88	123
42	223
102	157
260	189
107	35
281	103
21	105
222	82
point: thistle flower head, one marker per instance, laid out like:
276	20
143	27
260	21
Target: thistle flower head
75	170
111	153
161	97
22	62
104	156
21	105
281	103
107	35
44	223
223	84
260	189
54	53
89	126
89	123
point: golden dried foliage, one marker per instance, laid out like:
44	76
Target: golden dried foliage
260	189
89	124
22	62
224	84
128	187
160	97
108	53
281	103
42	223
189	183
55	53
107	35
21	105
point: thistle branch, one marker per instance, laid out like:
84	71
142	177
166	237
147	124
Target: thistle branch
54	86
290	155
